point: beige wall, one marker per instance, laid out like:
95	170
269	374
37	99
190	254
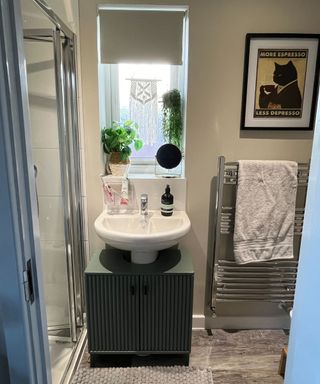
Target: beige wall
216	53
68	11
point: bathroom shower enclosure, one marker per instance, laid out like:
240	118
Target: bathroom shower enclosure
49	47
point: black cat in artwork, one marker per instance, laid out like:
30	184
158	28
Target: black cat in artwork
286	93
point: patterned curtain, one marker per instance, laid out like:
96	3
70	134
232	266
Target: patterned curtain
144	109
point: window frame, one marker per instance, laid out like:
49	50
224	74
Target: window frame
109	85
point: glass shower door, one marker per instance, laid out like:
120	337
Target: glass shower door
55	148
47	161
50	62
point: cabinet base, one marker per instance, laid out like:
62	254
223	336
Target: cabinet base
134	360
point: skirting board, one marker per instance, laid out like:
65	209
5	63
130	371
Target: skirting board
240	322
198	322
246	322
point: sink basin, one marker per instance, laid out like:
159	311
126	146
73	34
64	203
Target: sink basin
144	236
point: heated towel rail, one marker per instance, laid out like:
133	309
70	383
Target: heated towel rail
271	281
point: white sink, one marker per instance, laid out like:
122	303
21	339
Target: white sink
144	236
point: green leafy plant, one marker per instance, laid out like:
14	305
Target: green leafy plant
172	117
119	137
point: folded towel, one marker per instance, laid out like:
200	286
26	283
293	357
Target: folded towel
265	210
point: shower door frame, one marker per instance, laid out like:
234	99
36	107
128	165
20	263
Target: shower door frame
67	113
25	347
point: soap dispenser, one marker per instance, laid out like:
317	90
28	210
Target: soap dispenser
167	202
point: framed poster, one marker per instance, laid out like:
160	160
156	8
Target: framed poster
280	82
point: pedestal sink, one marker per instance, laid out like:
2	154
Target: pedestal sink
144	236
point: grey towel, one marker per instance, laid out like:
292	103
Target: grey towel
265	210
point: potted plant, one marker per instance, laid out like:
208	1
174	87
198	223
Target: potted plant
116	141
172	117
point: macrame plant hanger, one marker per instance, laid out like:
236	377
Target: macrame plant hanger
143	107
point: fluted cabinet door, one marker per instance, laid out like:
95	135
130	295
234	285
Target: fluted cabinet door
166	312
113	312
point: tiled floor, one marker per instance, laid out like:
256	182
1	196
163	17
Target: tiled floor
242	357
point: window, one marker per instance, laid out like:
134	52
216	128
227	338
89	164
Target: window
131	88
117	103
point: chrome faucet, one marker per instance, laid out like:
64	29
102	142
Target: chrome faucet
144	204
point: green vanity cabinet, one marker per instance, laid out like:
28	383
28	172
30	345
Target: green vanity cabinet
112	317
144	309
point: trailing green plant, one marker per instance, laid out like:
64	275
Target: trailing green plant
172	117
119	137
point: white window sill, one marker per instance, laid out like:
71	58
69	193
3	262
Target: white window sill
149	170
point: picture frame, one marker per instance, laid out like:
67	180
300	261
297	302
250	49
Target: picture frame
280	82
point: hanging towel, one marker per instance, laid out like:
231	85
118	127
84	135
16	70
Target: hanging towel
265	210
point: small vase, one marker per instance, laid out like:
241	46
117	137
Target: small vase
117	166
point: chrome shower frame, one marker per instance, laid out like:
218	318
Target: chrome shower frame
64	48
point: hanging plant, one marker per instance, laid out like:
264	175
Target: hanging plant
172	117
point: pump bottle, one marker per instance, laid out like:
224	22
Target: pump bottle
167	202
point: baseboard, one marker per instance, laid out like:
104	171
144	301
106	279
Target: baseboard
247	322
198	322
240	322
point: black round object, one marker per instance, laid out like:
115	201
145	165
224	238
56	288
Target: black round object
168	156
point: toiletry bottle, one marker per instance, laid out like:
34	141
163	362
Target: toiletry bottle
167	202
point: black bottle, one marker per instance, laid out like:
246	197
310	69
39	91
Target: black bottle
167	203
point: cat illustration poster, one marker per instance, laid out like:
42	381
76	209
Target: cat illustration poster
280	83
